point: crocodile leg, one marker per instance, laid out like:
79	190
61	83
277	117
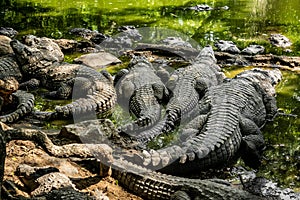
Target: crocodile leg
31	84
193	127
10	67
63	92
252	143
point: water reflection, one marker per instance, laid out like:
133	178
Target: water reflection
247	19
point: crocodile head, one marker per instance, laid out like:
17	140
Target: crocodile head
208	52
267	79
36	53
140	61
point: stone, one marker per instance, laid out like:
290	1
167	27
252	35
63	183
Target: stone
5	47
227	46
253	49
97	60
279	40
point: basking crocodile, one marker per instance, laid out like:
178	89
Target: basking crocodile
41	59
141	90
8	85
143	182
231	115
153	185
187	86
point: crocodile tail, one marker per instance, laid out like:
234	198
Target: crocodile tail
141	124
222	124
147	135
25	106
144	105
99	102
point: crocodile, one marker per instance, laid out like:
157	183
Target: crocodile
227	127
10	68
42	59
188	85
140	90
144	182
149	184
19	102
22	103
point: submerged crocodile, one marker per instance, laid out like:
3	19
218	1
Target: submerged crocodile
231	115
41	59
187	86
141	90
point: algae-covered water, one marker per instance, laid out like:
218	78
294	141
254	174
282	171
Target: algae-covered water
242	21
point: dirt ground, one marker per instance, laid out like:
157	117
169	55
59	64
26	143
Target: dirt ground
86	180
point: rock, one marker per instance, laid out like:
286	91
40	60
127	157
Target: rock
253	49
67	45
176	42
5	47
97	60
9	32
201	7
83	32
227	46
51	181
279	40
90	131
131	32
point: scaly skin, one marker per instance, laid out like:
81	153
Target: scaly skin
141	181
231	115
10	67
152	185
187	86
41	59
24	105
140	90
